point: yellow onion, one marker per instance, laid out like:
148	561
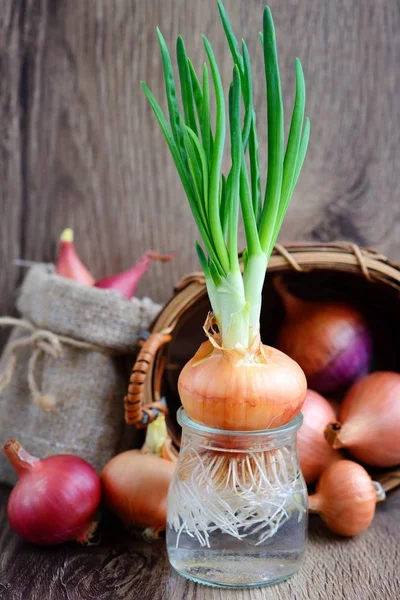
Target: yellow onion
345	498
241	389
135	487
135	483
330	340
315	454
369	420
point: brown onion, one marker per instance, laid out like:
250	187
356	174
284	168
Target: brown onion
370	420
135	487
314	452
242	388
329	340
345	498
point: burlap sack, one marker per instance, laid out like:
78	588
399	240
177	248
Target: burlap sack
87	385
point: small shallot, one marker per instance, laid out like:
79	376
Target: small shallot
314	452
69	264
369	420
346	498
126	282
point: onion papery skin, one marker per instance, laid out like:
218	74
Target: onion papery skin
345	498
331	341
135	488
55	501
241	389
369	420
315	454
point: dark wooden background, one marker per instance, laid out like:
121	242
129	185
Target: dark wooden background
79	147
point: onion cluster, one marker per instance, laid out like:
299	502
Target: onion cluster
333	345
56	499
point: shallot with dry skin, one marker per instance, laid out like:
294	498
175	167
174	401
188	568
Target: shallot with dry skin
126	282
69	264
346	498
315	454
369	420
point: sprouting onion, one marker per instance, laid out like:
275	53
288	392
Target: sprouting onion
271	395
234	382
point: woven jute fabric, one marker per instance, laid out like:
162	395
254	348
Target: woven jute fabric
87	384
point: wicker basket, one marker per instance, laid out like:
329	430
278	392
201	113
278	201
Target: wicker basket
339	270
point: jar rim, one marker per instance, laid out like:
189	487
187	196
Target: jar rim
185	420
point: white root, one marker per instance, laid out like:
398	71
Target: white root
240	494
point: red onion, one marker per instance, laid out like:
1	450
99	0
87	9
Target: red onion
329	340
55	499
315	454
126	282
370	420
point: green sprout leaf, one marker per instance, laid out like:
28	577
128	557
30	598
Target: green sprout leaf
196	137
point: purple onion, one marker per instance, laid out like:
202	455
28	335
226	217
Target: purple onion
331	341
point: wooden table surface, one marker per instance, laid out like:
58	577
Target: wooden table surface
121	566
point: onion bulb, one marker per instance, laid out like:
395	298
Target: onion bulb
55	499
135	487
69	264
241	389
136	482
315	454
126	282
370	420
330	340
345	498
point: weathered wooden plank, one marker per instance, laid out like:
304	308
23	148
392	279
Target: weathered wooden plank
11	150
97	161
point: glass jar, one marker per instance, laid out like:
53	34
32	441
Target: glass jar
237	506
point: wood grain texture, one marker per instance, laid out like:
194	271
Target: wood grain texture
82	148
11	142
122	566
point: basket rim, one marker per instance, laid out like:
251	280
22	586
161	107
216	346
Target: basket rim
300	256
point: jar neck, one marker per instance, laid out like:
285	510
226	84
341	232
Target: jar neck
239	441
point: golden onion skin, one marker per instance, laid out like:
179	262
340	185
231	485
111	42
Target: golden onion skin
241	390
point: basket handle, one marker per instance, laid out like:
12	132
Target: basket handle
136	413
